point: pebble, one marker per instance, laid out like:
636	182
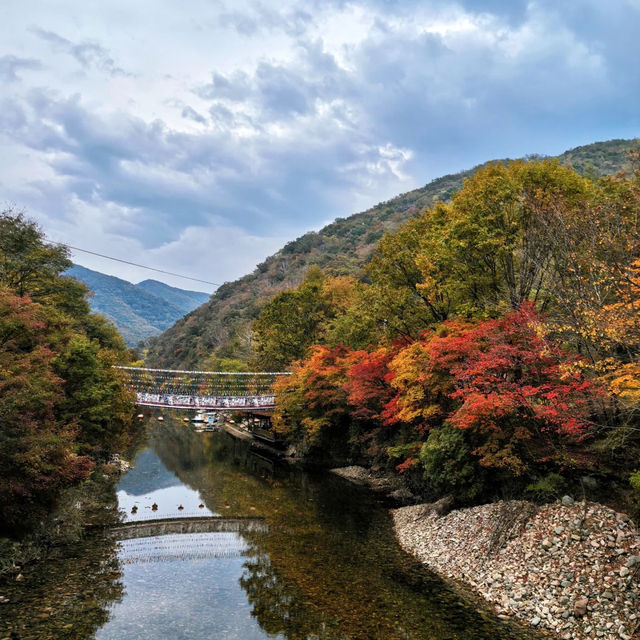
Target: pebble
578	586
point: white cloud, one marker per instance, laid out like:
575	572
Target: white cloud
152	129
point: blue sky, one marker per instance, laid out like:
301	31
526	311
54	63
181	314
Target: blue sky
200	136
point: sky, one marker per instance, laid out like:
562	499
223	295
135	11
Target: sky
199	137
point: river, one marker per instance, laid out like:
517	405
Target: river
314	557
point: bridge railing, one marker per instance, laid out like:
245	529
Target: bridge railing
202	389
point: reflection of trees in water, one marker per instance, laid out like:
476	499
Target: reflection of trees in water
67	597
276	603
330	567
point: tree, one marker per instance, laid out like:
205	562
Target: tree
37	449
485	252
59	395
520	392
293	320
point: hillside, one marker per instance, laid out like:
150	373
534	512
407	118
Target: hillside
183	299
221	326
138	311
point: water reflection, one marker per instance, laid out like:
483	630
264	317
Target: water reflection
152	491
329	567
325	566
68	597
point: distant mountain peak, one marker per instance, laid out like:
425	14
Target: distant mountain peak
139	311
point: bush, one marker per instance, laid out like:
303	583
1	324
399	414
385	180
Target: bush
547	488
450	466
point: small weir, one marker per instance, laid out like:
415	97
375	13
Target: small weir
183	525
181	547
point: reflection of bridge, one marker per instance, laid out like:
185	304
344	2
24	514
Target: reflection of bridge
169	540
215	390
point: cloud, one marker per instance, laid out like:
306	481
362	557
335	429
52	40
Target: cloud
260	122
191	114
11	65
88	54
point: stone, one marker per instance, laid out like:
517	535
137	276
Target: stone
535	621
567	501
633	561
558	530
607	595
624	572
580	606
546	543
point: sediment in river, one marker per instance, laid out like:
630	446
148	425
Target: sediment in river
571	568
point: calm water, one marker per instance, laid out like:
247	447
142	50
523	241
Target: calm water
328	566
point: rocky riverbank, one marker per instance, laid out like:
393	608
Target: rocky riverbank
571	568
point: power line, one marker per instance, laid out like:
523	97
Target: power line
135	264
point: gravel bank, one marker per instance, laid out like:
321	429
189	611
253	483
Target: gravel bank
572	568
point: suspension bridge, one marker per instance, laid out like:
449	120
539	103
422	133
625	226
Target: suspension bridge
210	390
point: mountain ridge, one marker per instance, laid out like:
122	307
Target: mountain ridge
220	328
137	312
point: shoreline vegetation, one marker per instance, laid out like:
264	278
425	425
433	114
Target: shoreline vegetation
64	410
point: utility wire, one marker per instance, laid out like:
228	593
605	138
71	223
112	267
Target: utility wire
135	264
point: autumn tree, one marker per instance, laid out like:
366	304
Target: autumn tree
295	319
60	398
518	390
37	449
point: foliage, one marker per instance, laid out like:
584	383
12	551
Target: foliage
36	449
547	488
634	481
487	252
295	319
313	401
449	465
511	385
59	396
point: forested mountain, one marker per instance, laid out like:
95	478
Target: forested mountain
182	298
220	329
139	311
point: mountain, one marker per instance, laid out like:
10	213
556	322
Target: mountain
139	311
181	298
222	325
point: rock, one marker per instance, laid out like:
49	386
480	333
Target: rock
624	572
589	482
567	501
535	621
403	496
607	595
558	530
546	543
580	606
443	506
633	561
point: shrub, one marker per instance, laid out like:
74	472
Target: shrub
450	466
547	488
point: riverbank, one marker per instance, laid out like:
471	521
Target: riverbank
81	508
571	568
